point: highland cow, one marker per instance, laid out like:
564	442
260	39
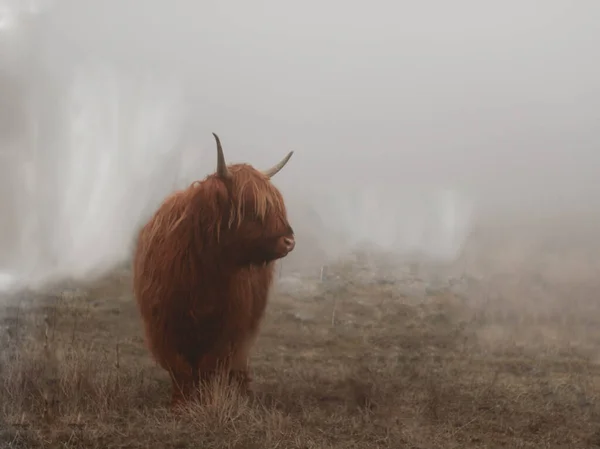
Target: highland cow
202	271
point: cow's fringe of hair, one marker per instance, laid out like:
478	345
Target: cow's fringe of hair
266	197
246	181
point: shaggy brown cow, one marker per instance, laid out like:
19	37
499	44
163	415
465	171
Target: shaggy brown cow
202	270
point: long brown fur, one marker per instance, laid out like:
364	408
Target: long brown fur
203	268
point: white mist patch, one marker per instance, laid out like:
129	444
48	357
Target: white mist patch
8	282
434	223
118	160
96	151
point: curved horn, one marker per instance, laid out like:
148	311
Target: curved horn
275	168
222	171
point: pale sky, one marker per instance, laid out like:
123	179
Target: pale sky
468	93
498	100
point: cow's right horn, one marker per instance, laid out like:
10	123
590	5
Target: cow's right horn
222	171
273	170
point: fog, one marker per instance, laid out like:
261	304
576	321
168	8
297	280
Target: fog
410	124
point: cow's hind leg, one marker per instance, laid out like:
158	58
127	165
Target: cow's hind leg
221	368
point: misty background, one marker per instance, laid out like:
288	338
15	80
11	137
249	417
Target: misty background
411	123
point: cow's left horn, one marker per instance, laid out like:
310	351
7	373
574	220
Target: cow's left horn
222	171
273	170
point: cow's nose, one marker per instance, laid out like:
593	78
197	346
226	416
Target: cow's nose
290	243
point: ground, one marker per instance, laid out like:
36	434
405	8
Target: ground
351	362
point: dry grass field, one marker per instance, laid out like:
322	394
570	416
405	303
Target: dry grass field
506	356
